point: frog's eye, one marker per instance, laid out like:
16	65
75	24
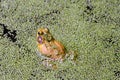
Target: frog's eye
39	33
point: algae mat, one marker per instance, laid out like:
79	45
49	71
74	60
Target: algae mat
90	27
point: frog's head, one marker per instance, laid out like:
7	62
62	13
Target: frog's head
43	34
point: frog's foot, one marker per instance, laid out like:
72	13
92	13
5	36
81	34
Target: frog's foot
49	64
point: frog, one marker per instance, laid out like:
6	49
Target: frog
50	50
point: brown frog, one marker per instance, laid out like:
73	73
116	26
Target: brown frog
50	49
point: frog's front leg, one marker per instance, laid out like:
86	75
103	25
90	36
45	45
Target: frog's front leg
47	62
40	55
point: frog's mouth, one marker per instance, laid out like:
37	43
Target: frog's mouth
40	40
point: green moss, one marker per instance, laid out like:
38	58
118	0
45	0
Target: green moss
93	32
